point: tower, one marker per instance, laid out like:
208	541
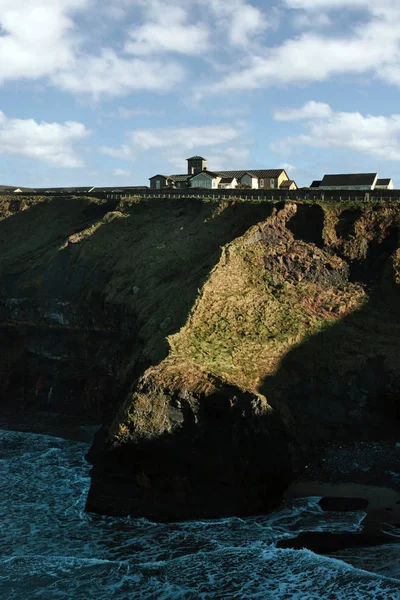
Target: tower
196	164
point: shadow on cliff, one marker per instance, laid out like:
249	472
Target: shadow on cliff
150	259
113	292
231	458
52	356
32	236
343	384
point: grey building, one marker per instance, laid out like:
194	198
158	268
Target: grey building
199	176
350	181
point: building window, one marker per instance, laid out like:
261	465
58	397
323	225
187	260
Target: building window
205	183
158	184
272	183
261	182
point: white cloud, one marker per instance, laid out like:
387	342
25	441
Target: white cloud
184	137
311	110
108	75
54	40
124	152
51	143
375	136
42	38
117	10
370	46
247	21
217	159
168	31
37	37
313	57
381	7
242	21
121	173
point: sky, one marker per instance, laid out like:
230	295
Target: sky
94	92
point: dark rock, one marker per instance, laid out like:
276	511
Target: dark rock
322	542
209	460
331	503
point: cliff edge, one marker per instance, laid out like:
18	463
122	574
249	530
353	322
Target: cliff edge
221	344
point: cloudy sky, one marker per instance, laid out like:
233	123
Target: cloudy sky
94	92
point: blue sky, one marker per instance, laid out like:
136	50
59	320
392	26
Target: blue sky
94	92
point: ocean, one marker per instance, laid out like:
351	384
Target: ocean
51	549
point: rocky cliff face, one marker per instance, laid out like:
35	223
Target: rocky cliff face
221	344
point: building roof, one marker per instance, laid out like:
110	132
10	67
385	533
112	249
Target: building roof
383	181
316	183
287	184
65	190
179	177
206	172
227	179
77	189
349	179
87	189
259	173
123	188
196	158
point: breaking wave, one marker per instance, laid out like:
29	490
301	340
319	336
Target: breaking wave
50	548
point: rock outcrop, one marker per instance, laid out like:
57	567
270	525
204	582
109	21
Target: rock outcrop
221	344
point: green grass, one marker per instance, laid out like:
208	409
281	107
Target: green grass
186	277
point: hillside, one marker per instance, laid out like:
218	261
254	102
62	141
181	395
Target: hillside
222	344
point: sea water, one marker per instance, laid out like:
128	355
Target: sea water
50	548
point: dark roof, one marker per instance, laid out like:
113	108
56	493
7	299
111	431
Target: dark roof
287	184
316	183
196	158
348	179
66	190
179	177
259	173
124	188
207	172
383	181
227	179
77	189
87	189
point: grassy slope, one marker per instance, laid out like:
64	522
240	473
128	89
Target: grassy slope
148	257
271	293
233	314
261	300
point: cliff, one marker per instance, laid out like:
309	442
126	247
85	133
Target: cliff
222	344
